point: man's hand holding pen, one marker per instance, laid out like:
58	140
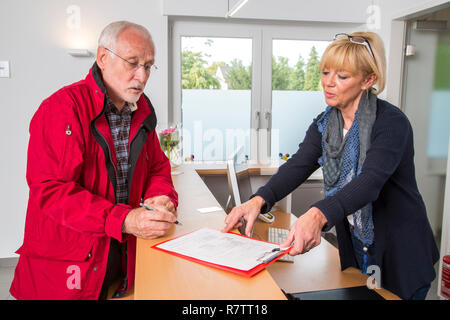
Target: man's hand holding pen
161	201
151	222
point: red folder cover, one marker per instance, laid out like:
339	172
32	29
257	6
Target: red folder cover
246	273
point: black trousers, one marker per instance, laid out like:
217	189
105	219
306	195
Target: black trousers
113	267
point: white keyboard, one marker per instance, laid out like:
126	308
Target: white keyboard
278	236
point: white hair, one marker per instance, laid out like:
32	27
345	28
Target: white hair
112	31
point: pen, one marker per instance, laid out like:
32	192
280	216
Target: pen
153	209
283	249
276	254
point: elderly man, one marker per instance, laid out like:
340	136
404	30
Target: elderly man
93	156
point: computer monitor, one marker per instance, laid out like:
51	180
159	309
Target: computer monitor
238	179
238	182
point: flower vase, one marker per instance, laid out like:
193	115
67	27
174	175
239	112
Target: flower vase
169	140
173	157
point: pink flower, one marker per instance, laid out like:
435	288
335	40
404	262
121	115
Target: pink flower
167	131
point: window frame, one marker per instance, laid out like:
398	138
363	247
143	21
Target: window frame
262	34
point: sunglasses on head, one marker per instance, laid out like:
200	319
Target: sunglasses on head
356	39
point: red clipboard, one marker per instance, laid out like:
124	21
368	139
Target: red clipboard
246	273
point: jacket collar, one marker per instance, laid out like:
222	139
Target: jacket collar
145	112
97	75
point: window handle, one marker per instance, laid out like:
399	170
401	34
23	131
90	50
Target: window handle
268	117
258	120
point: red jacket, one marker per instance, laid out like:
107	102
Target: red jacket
71	172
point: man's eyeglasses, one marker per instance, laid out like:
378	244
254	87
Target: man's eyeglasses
134	66
356	39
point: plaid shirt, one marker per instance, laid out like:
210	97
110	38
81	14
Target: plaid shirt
120	122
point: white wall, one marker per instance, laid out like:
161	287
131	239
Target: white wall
351	11
34	37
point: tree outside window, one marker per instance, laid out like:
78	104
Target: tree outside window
197	74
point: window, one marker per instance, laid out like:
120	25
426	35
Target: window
216	96
297	96
244	84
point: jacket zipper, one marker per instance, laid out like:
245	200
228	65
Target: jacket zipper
129	152
134	138
116	171
120	292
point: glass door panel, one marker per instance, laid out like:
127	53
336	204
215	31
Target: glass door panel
216	96
426	102
297	96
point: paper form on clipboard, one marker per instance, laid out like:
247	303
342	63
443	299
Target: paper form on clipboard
228	251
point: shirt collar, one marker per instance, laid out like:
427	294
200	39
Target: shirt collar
132	105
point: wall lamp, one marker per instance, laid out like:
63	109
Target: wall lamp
79	53
236	8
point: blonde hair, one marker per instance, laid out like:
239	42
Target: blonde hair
343	54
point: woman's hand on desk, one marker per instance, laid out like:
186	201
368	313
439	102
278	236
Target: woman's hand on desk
248	210
306	232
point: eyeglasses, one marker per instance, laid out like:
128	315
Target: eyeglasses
134	66
356	39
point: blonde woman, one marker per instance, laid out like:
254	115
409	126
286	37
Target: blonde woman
365	148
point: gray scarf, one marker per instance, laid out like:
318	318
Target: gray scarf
343	158
334	142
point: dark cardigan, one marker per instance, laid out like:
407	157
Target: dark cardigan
405	247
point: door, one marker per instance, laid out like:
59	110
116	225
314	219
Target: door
426	102
216	86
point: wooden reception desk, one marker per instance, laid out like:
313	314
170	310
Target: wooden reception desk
163	276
